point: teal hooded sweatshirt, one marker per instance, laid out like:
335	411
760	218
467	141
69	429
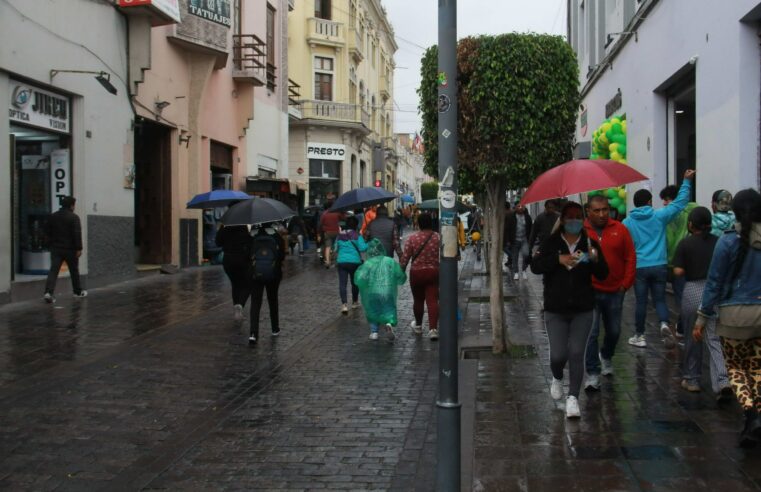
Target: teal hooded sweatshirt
648	228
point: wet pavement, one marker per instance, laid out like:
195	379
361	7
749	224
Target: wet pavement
151	385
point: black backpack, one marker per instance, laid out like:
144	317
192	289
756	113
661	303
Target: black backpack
264	258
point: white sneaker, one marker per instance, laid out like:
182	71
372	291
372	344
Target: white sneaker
390	332
433	334
48	297
607	366
374	335
81	293
237	312
516	276
572	408
638	341
416	328
669	341
354	305
593	382
556	389
525	275
344	309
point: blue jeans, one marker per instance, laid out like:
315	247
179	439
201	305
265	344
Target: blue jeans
346	272
652	280
608	307
373	328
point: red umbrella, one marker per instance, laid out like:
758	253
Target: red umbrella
579	176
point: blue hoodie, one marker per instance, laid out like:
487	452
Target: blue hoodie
648	228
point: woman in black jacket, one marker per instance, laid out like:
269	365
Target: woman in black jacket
235	242
568	259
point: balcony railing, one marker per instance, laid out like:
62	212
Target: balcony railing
327	32
271	77
294	93
333	111
249	59
385	90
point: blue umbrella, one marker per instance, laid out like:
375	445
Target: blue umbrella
216	198
407	198
362	197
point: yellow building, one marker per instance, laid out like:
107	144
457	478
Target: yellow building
341	66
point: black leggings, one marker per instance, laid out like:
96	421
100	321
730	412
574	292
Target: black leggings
237	270
257	293
568	334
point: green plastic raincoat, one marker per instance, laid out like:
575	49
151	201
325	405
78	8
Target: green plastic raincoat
378	279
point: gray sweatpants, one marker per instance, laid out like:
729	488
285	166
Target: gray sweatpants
568	334
693	351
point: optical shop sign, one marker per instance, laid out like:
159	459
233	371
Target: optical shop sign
31	105
214	10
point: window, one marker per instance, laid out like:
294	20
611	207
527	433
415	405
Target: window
374	54
323	78
322	9
270	47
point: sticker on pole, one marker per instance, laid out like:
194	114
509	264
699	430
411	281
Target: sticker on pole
441	79
447	199
447	218
444	103
446	133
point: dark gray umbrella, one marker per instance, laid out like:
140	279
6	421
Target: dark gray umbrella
362	197
433	204
257	211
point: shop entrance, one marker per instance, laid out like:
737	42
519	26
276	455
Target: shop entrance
153	193
41	175
682	129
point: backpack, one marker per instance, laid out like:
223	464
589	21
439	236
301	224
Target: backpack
264	258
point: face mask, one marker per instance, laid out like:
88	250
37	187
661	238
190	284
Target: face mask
573	226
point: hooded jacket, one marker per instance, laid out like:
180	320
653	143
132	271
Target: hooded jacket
722	222
677	230
349	244
378	279
64	230
721	289
618	249
648	228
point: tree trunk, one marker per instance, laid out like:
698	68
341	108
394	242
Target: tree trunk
495	217
485	233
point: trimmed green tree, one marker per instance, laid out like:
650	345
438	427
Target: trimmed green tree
429	190
518	96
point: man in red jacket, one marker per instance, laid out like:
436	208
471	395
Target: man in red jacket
618	250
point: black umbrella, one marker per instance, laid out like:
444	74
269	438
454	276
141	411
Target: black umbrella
257	211
362	197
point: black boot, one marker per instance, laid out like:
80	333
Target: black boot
748	437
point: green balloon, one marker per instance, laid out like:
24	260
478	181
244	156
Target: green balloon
593	193
622	209
619	139
594	156
609	135
611	193
615	202
616	128
622	149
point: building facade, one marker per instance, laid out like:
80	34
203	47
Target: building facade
340	54
68	126
687	75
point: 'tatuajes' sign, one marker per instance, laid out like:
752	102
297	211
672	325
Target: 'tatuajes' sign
326	151
37	107
214	10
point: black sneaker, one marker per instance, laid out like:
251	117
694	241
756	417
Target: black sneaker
81	293
48	297
276	332
252	340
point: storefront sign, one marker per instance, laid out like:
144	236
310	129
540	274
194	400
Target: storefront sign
614	104
60	170
37	107
330	152
214	10
170	8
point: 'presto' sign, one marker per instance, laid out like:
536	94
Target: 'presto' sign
326	151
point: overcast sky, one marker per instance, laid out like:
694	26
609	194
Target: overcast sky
415	26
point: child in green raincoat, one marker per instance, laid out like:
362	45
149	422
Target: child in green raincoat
378	279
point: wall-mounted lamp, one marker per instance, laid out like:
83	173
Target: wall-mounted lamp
622	33
104	78
185	138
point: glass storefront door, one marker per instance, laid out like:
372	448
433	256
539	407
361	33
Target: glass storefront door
324	181
41	177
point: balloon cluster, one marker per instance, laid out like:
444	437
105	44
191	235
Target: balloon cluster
609	142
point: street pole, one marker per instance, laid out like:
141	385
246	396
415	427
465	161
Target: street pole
448	406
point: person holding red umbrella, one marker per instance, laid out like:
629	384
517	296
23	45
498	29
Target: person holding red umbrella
569	259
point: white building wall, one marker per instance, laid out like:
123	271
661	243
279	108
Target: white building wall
38	37
726	54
